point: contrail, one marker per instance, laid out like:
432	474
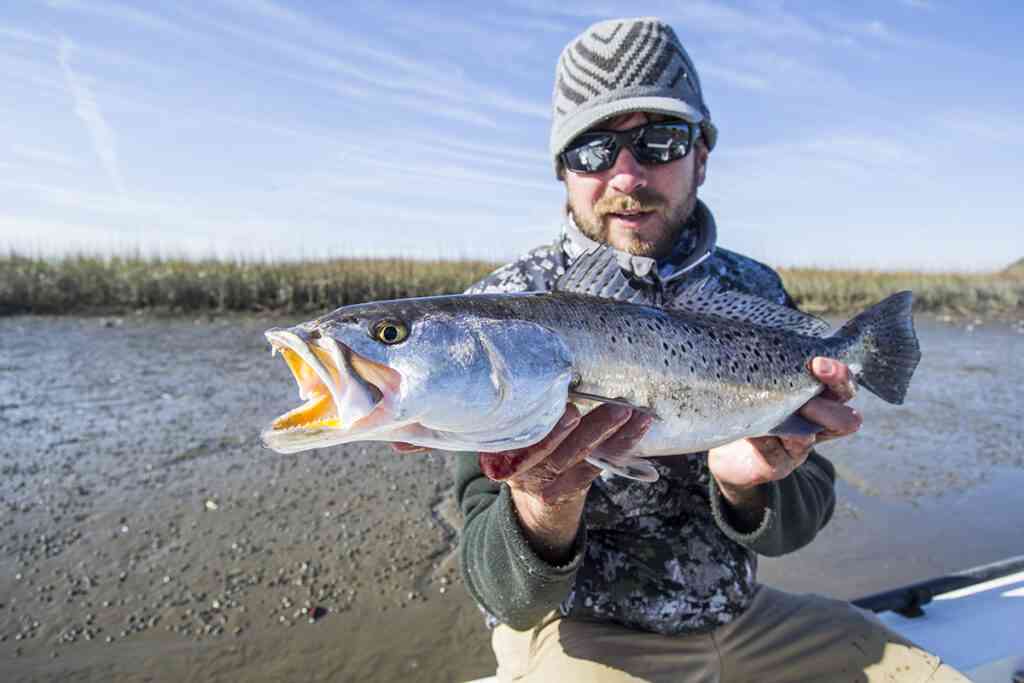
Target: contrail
87	109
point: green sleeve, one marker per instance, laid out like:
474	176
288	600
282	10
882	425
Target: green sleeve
502	573
799	506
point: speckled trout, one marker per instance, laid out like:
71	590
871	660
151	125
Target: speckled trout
492	372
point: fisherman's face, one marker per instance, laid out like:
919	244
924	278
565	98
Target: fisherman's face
635	208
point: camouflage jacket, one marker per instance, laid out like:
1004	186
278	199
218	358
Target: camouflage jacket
658	557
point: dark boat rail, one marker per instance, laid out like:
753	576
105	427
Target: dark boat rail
910	599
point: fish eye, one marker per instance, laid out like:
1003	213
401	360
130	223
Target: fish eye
390	331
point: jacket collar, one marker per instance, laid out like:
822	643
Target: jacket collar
696	243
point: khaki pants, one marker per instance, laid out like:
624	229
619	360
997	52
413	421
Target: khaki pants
781	637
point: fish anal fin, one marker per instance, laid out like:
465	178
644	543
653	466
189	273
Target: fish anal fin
637	469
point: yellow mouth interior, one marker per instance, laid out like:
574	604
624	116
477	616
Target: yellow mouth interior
319	409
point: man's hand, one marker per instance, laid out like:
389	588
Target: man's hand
550	479
740	467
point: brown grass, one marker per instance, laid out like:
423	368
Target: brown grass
85	284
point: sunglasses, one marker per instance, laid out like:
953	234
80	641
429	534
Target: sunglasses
650	144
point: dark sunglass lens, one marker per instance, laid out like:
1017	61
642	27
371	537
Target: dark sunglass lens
661	144
590	155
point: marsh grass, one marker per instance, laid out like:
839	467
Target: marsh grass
961	294
91	284
85	284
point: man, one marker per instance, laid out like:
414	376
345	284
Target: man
592	578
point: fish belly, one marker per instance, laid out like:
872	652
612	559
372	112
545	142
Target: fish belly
682	429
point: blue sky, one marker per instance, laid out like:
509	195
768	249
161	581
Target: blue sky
871	134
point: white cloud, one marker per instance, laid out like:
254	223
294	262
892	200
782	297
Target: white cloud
45	156
104	55
992	127
507	102
88	110
42	77
747	80
86	201
313	29
24	36
878	30
768	21
122	14
417	85
449	111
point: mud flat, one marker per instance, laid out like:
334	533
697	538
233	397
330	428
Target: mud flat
146	535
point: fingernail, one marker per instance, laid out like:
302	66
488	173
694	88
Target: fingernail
824	366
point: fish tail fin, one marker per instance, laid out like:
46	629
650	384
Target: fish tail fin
891	351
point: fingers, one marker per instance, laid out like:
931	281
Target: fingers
563	474
629	434
797	448
836	418
507	464
781	454
569	483
593	430
836	377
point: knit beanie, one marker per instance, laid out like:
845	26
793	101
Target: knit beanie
621	66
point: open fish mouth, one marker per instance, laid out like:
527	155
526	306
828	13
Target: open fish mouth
342	390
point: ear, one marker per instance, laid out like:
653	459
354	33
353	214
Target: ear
701	154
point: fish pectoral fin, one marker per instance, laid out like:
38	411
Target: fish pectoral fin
794	425
637	469
614	401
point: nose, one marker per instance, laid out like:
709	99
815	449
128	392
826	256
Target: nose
627	175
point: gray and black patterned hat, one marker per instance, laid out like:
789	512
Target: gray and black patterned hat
621	66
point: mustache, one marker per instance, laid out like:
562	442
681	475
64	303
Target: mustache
642	199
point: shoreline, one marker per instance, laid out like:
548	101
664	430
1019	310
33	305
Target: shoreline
98	285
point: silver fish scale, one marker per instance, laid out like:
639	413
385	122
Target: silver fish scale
708	379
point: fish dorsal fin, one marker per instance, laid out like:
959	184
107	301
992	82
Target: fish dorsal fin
707	297
597	273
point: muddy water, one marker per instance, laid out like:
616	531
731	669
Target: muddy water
146	535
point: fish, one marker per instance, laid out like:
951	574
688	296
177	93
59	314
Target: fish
494	372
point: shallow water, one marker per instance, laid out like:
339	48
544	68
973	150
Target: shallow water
139	506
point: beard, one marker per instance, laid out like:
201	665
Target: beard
674	219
